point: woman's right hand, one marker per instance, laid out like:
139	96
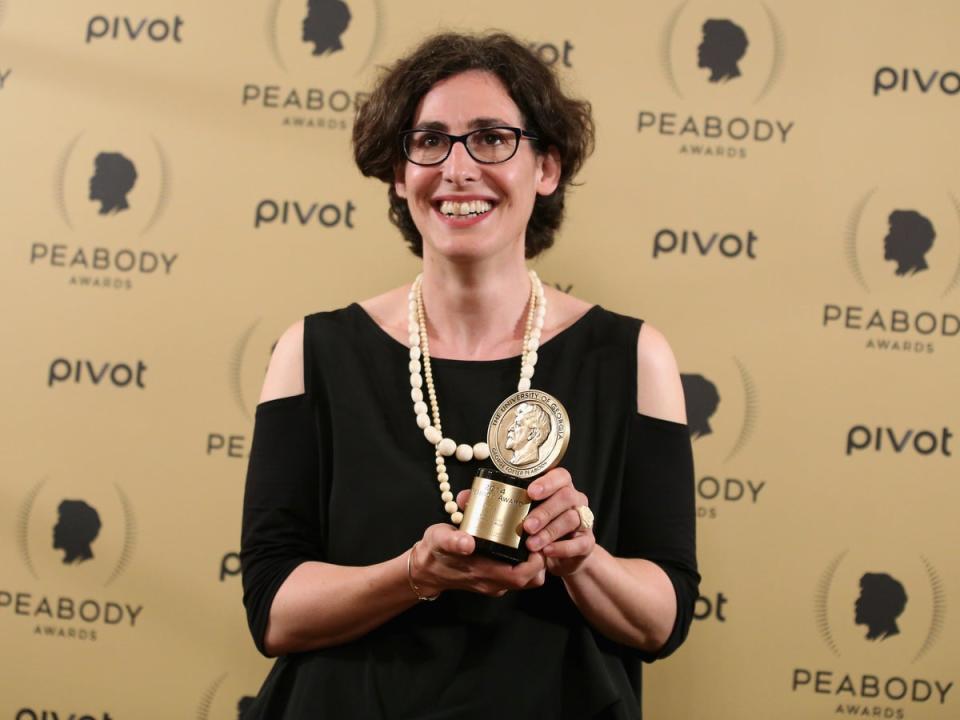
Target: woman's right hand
444	559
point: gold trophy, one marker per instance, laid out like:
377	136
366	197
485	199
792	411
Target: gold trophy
527	435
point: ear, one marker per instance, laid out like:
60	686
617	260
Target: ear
399	180
549	171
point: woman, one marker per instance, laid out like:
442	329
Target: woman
345	535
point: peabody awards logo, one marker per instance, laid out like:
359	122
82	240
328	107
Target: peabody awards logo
721	414
110	191
880	616
246	367
320	48
78	541
902	251
719	55
229	697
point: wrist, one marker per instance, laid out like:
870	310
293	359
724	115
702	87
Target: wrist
420	589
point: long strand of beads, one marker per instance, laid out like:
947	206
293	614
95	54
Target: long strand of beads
420	363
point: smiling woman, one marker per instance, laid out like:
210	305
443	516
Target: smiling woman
353	506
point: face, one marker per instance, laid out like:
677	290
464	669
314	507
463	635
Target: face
457	105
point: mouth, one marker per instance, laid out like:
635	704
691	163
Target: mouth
464	210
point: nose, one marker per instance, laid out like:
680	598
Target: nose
459	168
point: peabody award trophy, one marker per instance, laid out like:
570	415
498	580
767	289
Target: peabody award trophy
527	436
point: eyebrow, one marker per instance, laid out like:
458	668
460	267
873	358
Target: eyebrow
480	122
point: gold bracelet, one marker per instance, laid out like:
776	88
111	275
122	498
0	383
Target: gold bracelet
413	585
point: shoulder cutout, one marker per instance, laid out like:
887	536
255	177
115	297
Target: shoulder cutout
659	392
285	372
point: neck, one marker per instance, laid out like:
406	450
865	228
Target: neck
475	311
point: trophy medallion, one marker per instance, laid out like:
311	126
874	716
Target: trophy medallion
527	435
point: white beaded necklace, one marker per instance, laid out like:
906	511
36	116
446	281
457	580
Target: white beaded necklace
420	348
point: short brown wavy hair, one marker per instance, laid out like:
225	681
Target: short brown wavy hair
558	120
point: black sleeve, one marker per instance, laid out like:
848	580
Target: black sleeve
281	512
658	513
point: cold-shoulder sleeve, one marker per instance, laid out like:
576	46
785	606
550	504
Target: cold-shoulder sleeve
658	513
281	505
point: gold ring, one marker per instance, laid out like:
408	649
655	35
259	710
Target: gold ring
586	518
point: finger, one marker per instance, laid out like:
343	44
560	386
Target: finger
549	483
564	524
455	542
580	545
564	499
537	580
463	497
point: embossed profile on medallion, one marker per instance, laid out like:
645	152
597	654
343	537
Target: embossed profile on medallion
325	24
529	428
724	44
882	600
908	242
113	178
78	525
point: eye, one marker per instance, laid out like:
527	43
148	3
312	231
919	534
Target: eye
493	137
427	140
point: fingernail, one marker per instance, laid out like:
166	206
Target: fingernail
533	524
533	490
463	544
534	543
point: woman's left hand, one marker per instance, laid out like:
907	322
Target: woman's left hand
553	526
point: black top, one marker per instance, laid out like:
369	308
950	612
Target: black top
342	474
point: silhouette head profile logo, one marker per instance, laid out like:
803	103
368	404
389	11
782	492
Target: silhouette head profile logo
724	43
702	399
908	241
113	177
325	22
243	706
78	525
882	600
530	430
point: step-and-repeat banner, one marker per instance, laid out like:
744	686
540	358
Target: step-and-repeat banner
775	186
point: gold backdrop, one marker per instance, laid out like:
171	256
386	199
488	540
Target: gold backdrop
777	191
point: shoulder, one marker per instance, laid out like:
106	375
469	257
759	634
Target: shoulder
659	392
389	311
285	372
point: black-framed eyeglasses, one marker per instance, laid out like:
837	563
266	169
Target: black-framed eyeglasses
485	145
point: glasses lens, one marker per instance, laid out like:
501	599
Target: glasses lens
425	146
492	144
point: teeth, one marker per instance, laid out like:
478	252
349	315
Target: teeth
472	207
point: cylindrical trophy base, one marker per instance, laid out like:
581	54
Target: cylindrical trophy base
495	513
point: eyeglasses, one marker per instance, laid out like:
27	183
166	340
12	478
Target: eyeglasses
485	145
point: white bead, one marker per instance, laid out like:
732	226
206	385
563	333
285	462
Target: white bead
481	451
442	476
416	394
532	357
444	486
447	447
414	353
420	407
535	334
432	435
439	462
464	453
451	507
532	344
415	380
423	420
526	371
414	366
523	385
414	338
446	496
413	327
456	518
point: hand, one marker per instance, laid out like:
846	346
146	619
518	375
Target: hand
553	524
444	560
